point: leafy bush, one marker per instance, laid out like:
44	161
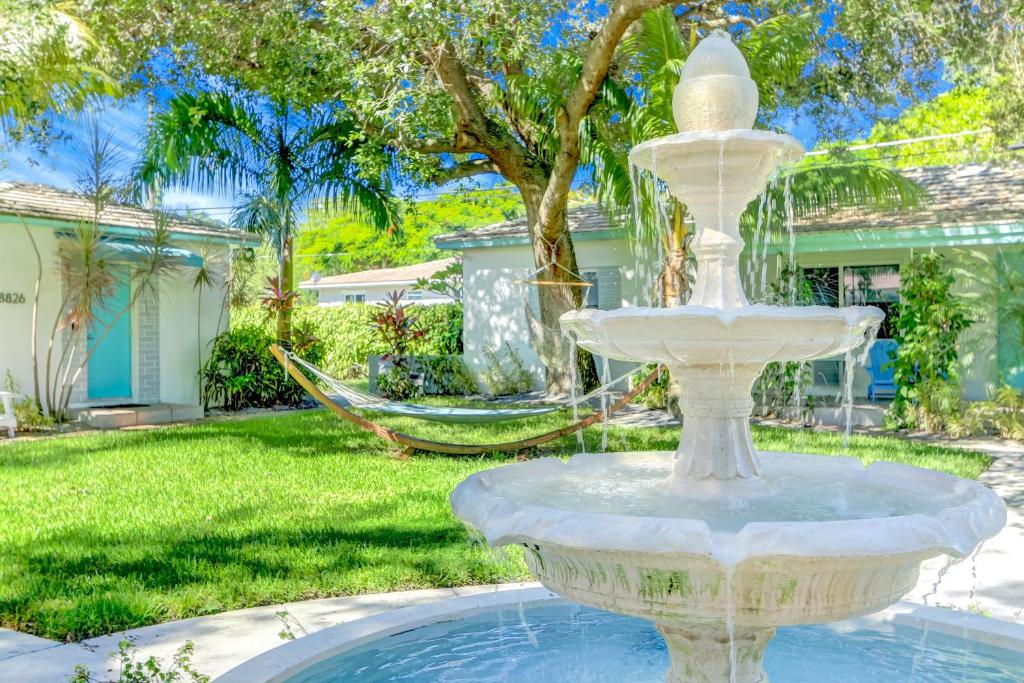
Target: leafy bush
448	374
348	338
397	329
777	386
930	321
502	380
242	373
26	412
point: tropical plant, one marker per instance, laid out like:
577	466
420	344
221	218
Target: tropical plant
282	159
242	373
928	326
89	278
506	374
398	331
447	282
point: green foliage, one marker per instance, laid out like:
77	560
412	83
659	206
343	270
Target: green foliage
506	374
780	383
342	243
960	109
348	338
656	395
447	281
447	375
150	671
929	324
30	418
241	372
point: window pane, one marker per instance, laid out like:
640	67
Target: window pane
874	286
591	294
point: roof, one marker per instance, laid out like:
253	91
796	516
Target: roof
955	195
43	201
589	218
403	275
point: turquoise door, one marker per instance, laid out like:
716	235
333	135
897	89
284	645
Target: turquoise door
110	366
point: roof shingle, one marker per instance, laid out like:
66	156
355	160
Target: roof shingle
399	275
32	200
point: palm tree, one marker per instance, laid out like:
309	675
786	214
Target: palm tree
280	160
777	51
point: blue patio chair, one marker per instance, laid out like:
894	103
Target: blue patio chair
880	373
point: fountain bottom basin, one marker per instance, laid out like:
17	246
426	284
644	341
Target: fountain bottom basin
558	641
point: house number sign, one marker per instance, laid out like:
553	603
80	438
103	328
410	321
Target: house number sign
12	297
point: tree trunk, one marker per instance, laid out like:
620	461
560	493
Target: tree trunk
674	286
554	255
287	282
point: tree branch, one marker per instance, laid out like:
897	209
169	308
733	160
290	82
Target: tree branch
464	169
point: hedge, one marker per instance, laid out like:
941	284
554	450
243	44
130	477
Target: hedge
349	338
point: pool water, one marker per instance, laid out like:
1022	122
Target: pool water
562	643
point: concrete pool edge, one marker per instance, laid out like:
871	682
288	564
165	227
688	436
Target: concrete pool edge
280	663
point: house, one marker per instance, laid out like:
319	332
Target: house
850	257
145	347
370	286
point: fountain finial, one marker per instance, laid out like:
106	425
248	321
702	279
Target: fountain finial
715	91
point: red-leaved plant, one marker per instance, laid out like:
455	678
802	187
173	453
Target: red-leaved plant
397	329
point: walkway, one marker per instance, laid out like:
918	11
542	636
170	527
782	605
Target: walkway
222	641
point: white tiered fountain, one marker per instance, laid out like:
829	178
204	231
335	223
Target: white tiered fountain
719	543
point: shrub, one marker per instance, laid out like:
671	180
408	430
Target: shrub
26	412
929	323
397	329
242	373
348	338
505	374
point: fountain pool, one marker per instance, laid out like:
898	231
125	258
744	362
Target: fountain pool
530	635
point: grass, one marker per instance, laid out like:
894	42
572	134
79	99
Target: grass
109	531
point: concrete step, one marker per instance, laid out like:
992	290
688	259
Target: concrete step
116	417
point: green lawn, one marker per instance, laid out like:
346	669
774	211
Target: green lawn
108	531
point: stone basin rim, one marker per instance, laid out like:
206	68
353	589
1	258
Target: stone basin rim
641	154
955	531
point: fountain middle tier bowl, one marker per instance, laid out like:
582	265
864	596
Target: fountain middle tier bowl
818	539
698	335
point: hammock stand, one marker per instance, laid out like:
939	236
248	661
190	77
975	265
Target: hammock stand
413	443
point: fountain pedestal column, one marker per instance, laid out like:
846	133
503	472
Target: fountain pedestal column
705	654
716	407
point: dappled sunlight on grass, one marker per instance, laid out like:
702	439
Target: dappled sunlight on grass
116	530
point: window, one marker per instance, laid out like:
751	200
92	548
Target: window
355	298
591	294
414	295
874	286
824	284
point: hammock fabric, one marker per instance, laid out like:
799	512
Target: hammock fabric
413	443
366	401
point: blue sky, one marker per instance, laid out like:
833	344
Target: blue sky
60	163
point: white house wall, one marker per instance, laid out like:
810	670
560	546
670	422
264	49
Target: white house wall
182	338
493	302
18	270
335	296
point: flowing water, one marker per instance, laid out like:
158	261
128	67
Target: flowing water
605	379
561	642
573	381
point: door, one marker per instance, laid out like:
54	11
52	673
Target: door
110	366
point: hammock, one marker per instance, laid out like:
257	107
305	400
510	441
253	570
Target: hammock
357	398
413	443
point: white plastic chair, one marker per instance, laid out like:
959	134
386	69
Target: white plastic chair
7	418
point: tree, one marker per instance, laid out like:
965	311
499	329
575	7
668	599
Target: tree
49	63
340	243
460	89
280	159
